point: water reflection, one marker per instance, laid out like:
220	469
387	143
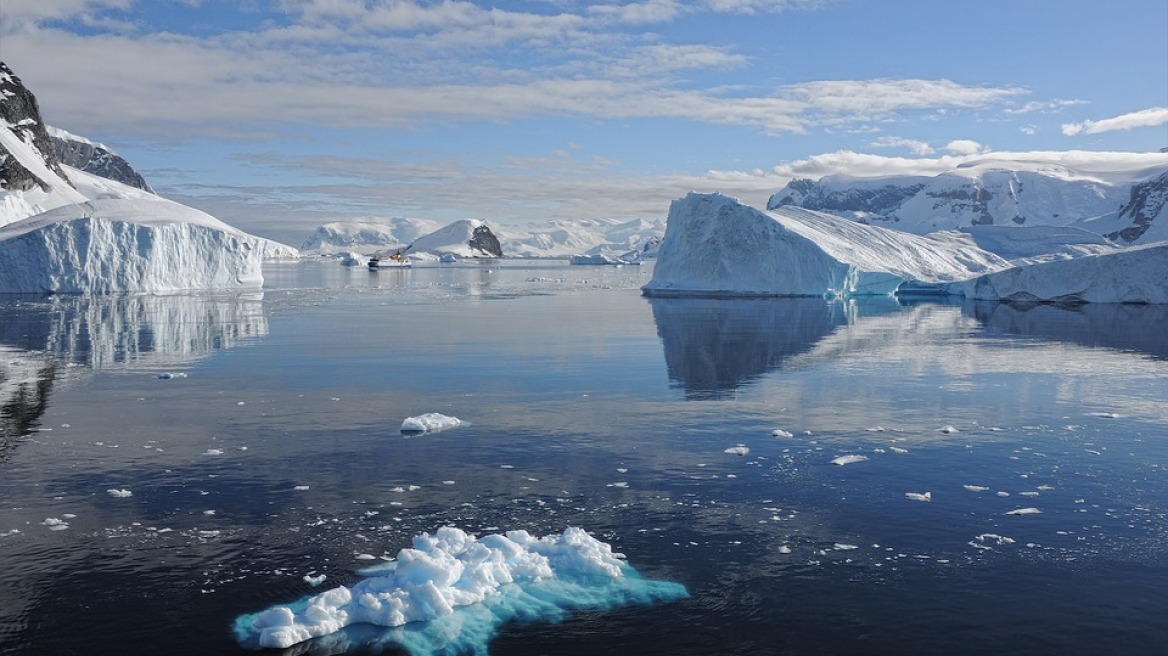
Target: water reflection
714	346
131	331
1121	327
41	337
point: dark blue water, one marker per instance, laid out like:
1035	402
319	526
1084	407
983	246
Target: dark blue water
272	451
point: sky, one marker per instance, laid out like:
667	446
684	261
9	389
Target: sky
278	116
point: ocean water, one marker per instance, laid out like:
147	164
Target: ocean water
168	464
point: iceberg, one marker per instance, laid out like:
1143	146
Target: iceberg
451	591
716	246
1132	275
135	246
431	422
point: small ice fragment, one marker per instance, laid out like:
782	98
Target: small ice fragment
314	580
1003	494
300	488
619	484
778	432
784	549
448	482
431	422
739	450
876	429
948	429
844	547
121	494
897	449
622	470
848	459
213	452
1105	415
1025	511
919	496
975	488
55	524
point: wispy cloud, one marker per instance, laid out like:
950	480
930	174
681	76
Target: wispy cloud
1145	118
912	145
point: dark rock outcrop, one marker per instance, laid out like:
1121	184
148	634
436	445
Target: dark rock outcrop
486	242
96	159
21	115
1146	202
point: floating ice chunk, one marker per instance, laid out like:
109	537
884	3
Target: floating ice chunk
919	496
431	422
121	494
844	547
897	449
848	459
213	452
300	488
778	432
1105	415
975	488
314	580
875	429
166	375
739	450
948	430
55	524
1025	511
463	588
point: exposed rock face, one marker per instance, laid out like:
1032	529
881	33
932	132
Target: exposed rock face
1148	200
484	240
95	158
19	110
881	199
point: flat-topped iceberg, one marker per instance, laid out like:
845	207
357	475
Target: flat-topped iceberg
127	245
454	590
1138	274
715	245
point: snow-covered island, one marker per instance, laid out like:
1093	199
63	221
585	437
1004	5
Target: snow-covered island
65	230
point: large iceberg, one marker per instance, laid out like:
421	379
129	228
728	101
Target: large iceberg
455	589
715	245
127	245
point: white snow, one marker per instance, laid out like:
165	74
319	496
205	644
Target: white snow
477	583
431	422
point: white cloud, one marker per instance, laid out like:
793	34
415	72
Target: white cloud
1145	118
965	147
914	146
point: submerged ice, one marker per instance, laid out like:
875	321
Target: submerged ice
462	588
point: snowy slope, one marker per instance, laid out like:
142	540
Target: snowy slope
1143	220
454	239
1055	190
367	236
95	158
715	245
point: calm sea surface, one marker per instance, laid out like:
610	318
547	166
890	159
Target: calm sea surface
169	463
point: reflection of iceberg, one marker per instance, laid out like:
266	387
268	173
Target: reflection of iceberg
131	331
712	346
1122	327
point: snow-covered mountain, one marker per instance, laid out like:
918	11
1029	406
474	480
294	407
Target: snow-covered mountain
98	159
1143	220
367	236
63	230
993	191
554	239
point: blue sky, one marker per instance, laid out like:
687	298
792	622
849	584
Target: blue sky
280	115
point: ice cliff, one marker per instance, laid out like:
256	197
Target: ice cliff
114	245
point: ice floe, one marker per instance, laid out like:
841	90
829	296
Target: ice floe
431	422
463	587
848	459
